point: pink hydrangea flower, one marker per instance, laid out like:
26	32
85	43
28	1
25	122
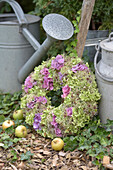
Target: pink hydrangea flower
58	62
29	83
79	67
48	83
45	72
69	111
66	90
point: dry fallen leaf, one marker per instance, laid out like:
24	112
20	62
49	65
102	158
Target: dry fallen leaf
38	155
55	158
84	167
21	166
46	153
109	166
64	167
106	160
62	153
14	167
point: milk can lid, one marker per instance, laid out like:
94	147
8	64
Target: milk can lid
108	43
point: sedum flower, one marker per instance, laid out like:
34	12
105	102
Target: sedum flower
79	67
58	62
66	90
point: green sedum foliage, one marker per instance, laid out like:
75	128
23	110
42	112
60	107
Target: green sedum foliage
53	119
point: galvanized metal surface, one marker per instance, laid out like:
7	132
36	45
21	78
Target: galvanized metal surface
15	50
104	77
57	26
19	36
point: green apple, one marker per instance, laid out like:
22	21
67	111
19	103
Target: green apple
7	123
18	114
57	144
21	131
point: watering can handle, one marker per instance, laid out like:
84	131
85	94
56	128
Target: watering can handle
23	21
18	11
95	65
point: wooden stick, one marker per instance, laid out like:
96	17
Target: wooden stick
86	14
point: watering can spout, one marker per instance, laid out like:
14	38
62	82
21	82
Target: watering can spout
35	59
57	27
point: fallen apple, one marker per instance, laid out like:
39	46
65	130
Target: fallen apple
57	144
18	114
21	131
7	123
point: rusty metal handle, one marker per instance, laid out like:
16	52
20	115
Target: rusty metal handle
18	11
95	65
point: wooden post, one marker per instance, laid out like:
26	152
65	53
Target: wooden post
86	14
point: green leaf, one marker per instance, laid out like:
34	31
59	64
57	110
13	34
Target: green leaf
70	143
14	155
26	156
15	140
2	118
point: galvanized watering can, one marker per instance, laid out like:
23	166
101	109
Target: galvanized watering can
20	50
104	76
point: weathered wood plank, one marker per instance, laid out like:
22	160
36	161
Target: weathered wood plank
86	14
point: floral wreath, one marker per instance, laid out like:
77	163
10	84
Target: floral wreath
60	96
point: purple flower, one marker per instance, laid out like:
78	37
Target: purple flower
37	120
66	90
48	83
37	117
58	132
29	83
44	100
31	104
69	111
58	62
79	67
60	76
45	72
36	126
54	123
41	99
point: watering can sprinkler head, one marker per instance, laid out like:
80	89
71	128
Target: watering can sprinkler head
57	27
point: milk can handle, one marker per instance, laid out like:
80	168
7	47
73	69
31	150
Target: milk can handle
18	11
95	65
110	35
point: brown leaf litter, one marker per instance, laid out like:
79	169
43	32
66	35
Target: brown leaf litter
44	158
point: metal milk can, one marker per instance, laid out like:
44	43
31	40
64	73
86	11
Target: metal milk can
20	50
104	77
